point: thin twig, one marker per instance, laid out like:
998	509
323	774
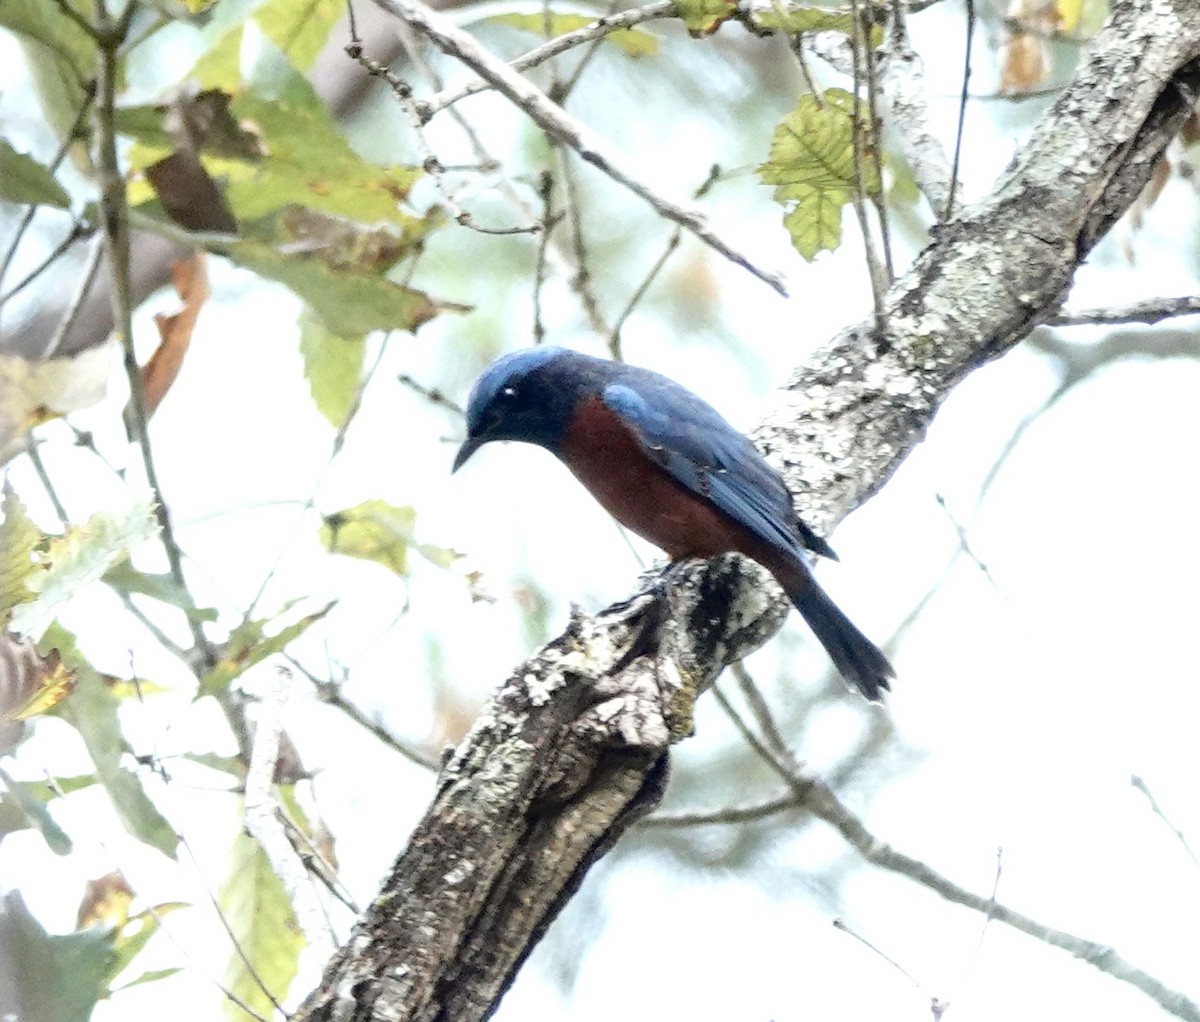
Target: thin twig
962	109
1152	310
724	816
431	394
820	800
552	48
79	231
261	815
614	339
429	161
841	924
581	279
880	281
331	692
86	279
551	220
35	459
115	222
551	118
762	712
1155	808
60	154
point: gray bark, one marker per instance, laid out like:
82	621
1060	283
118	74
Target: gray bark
574	746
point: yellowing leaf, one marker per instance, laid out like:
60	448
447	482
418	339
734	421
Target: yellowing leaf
373	530
299	27
805	19
52	682
105	902
333	368
812	167
704	17
248	645
635	42
1068	14
32	392
378	531
81	556
19	538
263	925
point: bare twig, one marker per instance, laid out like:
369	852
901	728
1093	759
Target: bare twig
581	279
860	47
819	799
264	825
115	223
724	816
551	118
1152	310
429	161
63	148
78	232
331	692
552	48
614	338
86	279
903	84
1155	808
962	109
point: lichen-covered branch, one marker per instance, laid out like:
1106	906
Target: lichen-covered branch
574	745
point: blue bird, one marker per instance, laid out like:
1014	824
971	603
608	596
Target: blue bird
665	464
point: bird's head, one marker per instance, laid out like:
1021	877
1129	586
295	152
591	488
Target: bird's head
526	395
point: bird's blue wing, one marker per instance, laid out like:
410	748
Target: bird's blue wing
700	450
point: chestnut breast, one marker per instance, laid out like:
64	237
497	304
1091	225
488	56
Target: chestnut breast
607	457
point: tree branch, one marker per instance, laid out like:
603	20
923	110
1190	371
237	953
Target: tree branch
574	745
560	125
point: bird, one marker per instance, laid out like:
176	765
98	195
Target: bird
666	465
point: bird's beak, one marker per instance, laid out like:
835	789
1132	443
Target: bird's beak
469	447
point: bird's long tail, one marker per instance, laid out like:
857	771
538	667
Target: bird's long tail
861	662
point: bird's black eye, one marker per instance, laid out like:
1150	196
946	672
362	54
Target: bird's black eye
508	393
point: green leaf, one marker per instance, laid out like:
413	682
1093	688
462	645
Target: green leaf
220	66
61	55
24	799
378	531
633	41
92	710
333	368
805	19
23	179
299	29
261	921
249	644
127	580
704	17
347	302
19	538
62	975
812	167
133	938
81	556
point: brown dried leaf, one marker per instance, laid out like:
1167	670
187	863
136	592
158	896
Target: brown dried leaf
29	682
1022	63
191	281
105	902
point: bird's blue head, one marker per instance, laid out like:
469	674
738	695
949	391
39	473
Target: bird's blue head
527	395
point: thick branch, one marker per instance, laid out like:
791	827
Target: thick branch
574	745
